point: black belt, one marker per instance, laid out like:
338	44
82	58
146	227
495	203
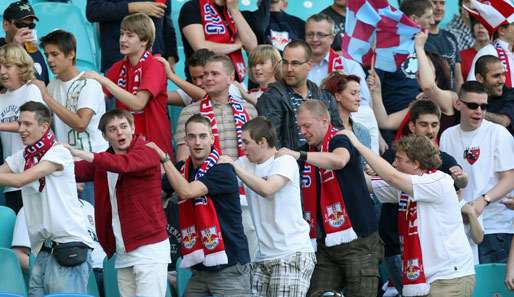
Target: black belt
48	246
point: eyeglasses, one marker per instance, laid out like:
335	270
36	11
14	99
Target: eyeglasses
293	64
318	35
20	25
473	106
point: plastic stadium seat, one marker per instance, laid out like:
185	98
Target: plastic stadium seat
110	278
183	276
489	281
9	295
7	220
11	278
92	287
305	8
68	295
67	16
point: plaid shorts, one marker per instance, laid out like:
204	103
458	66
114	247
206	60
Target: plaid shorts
288	276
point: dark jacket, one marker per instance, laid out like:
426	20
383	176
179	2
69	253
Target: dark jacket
276	106
109	13
138	191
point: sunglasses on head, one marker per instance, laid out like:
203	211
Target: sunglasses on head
20	25
474	106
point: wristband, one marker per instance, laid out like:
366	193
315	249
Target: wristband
303	156
166	158
486	199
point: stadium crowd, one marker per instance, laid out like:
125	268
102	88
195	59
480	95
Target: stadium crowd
301	180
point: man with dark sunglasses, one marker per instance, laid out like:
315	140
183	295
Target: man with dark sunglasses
490	71
485	150
19	24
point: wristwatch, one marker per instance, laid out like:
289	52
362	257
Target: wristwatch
303	156
166	158
486	199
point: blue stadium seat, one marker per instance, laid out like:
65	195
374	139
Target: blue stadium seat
68	295
11	277
183	276
305	8
7	221
69	18
9	295
92	287
489	281
110	278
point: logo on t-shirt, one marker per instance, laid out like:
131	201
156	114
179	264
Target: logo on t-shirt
409	67
471	154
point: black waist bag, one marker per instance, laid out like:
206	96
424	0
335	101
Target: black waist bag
71	253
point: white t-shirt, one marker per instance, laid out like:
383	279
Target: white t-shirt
76	94
56	212
155	253
21	234
10	103
279	224
445	248
232	90
493	147
491	50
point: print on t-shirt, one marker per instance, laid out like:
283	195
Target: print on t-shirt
410	66
471	154
80	140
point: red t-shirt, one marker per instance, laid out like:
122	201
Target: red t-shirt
153	121
466	59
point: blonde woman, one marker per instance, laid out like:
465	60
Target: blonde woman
264	68
16	71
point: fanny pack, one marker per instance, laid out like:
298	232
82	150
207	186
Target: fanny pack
70	253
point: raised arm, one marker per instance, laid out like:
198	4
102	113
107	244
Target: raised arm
426	78
334	160
244	31
184	189
387	172
384	120
135	102
264	187
77	121
18	180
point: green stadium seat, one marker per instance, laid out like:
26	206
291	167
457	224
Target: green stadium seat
183	276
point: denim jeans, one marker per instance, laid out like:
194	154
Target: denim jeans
393	265
494	248
49	277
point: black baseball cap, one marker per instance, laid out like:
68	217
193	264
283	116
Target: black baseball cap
19	10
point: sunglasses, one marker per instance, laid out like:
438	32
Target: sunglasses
474	106
20	25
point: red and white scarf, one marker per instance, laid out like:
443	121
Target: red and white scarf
335	61
413	274
222	30
138	72
200	229
504	59
33	153
240	118
336	222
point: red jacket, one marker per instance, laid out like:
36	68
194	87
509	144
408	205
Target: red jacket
138	191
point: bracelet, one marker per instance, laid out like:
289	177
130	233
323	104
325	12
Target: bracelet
303	156
166	158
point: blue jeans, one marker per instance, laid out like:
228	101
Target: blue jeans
494	248
393	265
49	277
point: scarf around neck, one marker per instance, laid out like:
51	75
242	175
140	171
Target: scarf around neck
200	230
35	152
